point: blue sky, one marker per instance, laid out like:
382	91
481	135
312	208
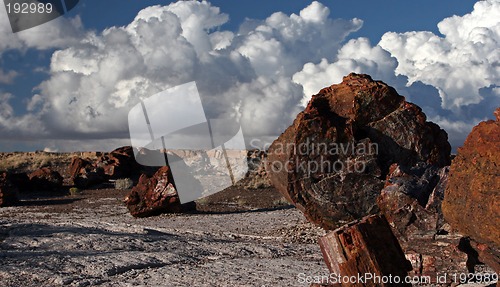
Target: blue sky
275	63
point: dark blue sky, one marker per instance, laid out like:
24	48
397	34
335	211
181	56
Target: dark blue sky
379	16
33	66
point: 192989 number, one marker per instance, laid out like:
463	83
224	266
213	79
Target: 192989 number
29	8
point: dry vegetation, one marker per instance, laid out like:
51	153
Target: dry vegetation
30	161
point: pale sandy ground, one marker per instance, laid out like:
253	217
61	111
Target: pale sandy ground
95	242
105	246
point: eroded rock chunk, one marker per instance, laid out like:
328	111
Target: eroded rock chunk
472	198
411	199
363	247
46	179
119	163
332	162
154	195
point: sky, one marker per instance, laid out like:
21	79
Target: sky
69	84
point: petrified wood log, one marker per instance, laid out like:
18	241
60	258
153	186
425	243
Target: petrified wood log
365	253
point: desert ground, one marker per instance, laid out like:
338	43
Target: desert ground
90	239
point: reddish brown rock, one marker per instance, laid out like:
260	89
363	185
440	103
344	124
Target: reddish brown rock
45	179
21	181
411	199
472	198
487	255
90	176
367	246
8	191
432	255
331	163
119	163
154	195
76	166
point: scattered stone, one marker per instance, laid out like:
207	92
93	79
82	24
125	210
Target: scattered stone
124	184
432	255
21	181
256	177
411	199
46	179
472	198
487	255
8	191
90	176
76	166
154	195
366	246
119	163
331	163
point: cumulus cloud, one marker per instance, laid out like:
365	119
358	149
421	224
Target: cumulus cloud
7	77
94	83
357	55
458	64
262	73
454	77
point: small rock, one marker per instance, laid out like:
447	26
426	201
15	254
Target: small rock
154	195
46	179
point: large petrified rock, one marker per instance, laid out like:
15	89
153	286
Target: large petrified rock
8	191
154	195
46	179
366	248
472	198
333	160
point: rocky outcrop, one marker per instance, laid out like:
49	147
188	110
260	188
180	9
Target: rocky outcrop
76	166
120	163
21	181
8	191
256	176
333	160
472	198
154	195
46	179
411	199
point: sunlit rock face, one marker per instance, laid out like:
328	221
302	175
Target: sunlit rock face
472	197
333	160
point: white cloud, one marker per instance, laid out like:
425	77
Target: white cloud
7	77
454	77
459	64
280	45
261	73
95	82
358	56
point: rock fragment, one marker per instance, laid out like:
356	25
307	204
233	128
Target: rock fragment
332	162
154	195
